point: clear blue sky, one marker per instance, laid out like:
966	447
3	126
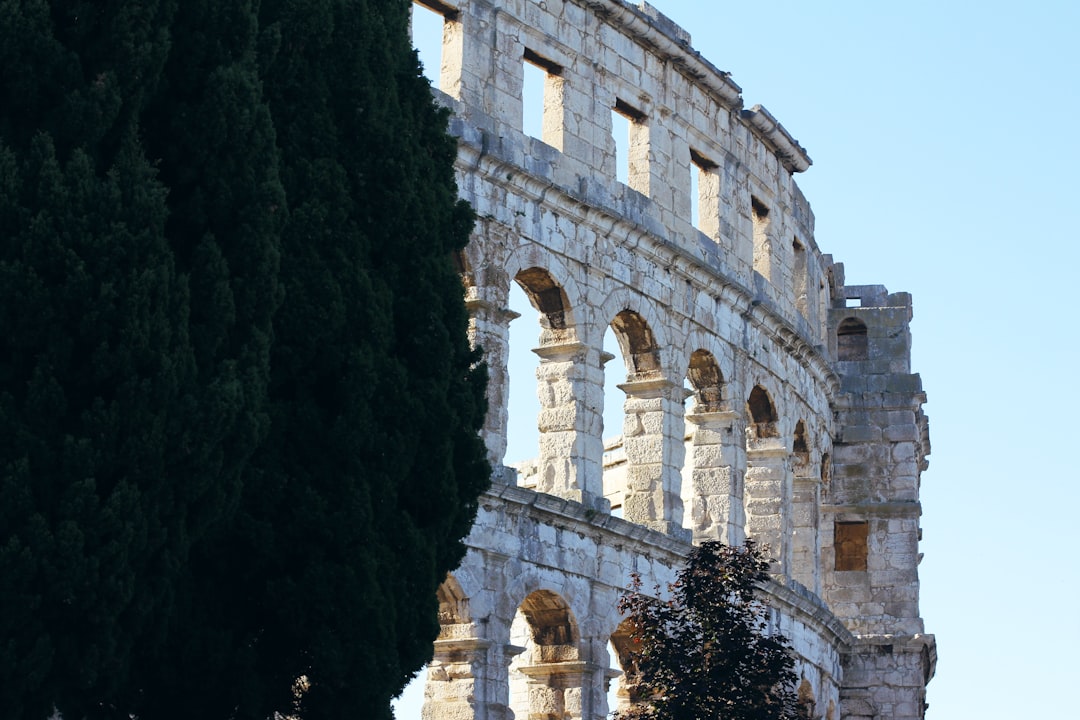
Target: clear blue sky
945	144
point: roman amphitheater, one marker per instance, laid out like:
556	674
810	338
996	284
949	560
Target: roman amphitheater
762	397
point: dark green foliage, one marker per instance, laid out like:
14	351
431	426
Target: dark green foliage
238	410
96	366
373	467
707	651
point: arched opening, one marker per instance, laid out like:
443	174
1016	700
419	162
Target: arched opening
768	482
548	297
762	415
523	403
851	340
543	395
627	337
800	449
826	475
622	690
707	382
708	473
445	687
805	517
546	674
638	345
652	432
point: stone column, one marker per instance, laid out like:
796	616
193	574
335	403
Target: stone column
653	442
717	509
455	685
767	499
571	449
559	691
489	330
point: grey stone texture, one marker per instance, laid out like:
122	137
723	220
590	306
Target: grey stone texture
764	398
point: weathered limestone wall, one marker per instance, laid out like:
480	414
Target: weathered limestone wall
757	403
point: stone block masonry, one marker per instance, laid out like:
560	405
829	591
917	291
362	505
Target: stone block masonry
763	397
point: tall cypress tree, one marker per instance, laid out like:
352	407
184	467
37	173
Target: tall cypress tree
228	486
370	477
138	252
96	364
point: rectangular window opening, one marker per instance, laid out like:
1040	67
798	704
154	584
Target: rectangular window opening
762	250
426	26
851	545
631	135
704	194
853	302
541	98
800	280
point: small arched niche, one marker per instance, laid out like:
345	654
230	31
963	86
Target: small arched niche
851	340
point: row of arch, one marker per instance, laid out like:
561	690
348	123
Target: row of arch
552	670
739	468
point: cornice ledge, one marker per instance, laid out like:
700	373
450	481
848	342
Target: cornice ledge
788	149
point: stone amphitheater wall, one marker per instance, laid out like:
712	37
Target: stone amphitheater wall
763	397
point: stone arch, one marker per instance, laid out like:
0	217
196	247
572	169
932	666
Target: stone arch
569	457
641	352
851	340
711	481
453	605
458	654
768	489
653	427
621	646
550	300
536	270
547	677
463	267
552	624
622	301
761	415
800	447
707	381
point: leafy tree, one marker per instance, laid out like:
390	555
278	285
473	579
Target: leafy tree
707	652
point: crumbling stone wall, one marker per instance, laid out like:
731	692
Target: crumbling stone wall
757	402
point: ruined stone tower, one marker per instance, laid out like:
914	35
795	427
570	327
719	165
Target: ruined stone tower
763	397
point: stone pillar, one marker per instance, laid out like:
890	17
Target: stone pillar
571	449
716	507
455	684
767	499
560	691
653	442
806	525
489	330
